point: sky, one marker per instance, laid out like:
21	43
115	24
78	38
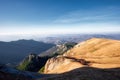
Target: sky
26	18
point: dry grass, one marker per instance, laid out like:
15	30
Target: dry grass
101	53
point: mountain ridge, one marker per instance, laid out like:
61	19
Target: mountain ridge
99	52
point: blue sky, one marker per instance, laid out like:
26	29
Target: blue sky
34	17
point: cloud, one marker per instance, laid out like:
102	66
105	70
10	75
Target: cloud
92	15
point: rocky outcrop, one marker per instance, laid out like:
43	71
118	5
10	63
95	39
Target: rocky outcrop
95	52
32	63
62	64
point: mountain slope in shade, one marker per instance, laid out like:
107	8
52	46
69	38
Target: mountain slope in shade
87	73
8	73
15	51
32	63
95	52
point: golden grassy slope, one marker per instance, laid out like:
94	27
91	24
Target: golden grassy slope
101	53
97	47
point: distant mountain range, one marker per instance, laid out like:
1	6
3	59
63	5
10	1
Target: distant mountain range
60	39
15	51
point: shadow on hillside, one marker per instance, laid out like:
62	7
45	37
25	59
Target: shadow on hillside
86	73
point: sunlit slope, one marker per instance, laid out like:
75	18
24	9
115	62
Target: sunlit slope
97	47
95	52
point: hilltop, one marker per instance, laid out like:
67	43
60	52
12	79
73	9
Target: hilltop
95	52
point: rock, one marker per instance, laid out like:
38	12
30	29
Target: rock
55	63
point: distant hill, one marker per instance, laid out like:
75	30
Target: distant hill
15	51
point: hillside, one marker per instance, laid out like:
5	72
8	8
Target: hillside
58	49
15	51
95	52
34	62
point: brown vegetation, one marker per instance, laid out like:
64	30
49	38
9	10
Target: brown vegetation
95	52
